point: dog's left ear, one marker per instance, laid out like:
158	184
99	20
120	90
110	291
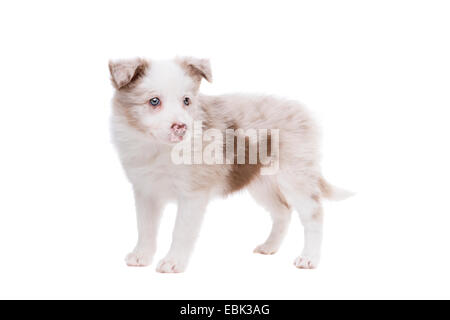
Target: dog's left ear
196	68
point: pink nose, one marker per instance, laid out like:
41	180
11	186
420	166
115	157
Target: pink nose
179	129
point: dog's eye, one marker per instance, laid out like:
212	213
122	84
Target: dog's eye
187	101
155	102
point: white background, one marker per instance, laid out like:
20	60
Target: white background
376	74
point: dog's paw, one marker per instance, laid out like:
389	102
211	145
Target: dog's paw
306	262
266	248
168	265
138	259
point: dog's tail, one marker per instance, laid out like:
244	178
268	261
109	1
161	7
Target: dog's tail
331	192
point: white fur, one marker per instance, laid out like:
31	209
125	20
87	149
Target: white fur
144	147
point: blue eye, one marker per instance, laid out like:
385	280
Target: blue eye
155	102
187	101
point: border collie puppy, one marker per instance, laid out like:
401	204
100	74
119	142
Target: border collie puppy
177	145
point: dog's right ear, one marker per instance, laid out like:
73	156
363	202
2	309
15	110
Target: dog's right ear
126	72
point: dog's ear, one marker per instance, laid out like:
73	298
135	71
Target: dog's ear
196	68
125	72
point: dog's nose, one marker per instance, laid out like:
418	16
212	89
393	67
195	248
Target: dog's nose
179	129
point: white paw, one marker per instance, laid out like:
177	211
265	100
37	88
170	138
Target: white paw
266	248
306	262
168	265
138	259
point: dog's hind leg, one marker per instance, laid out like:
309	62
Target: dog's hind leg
311	215
304	194
266	192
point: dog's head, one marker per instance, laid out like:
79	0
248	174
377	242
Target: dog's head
158	98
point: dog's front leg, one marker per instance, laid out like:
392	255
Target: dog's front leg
148	212
187	227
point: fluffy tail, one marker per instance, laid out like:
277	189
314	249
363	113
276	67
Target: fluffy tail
333	193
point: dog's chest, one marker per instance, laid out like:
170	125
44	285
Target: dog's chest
157	174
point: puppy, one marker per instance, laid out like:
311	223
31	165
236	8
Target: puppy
155	109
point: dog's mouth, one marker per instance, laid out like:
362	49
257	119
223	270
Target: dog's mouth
174	138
